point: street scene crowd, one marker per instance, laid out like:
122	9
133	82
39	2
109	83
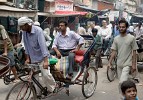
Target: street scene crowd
46	61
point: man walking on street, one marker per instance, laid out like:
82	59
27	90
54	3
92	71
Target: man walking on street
124	47
35	49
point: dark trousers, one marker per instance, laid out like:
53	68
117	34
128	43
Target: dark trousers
70	55
98	60
105	44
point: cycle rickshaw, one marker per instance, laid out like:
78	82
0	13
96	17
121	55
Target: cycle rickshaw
86	76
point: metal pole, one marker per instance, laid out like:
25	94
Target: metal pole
120	9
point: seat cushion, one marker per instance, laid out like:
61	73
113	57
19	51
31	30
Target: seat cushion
80	52
79	56
79	59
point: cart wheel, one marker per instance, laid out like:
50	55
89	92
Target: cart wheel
89	82
22	91
112	72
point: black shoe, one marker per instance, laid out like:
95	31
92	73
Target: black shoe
69	76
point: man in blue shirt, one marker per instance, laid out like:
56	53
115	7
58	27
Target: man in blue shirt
35	47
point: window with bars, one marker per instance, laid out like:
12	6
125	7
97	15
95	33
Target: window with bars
27	4
24	4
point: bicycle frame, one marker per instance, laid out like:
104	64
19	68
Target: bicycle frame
31	78
86	59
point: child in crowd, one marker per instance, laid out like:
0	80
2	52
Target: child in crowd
129	90
97	48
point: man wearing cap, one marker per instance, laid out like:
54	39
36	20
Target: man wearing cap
36	23
35	48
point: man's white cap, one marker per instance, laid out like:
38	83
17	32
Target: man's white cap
24	20
36	23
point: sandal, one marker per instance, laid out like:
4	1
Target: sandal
69	76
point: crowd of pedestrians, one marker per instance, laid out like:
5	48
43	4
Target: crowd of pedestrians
66	42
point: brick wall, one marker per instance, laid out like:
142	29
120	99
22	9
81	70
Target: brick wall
105	5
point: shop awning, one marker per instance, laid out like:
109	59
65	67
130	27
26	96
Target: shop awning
100	12
70	13
61	13
16	12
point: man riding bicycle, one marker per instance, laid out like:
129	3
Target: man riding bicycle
35	49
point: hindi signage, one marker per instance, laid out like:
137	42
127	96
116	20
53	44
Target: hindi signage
64	6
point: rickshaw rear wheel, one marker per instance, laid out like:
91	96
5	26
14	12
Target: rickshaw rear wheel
112	72
89	82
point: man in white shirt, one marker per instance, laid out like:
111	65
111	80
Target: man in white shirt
65	44
131	29
139	30
105	33
93	25
81	31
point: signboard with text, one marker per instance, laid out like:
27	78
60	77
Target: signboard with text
64	6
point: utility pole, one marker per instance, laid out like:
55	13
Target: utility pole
120	10
120	7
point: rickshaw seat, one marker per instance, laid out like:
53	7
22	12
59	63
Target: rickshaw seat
79	56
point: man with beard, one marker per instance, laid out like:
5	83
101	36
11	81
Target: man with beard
124	46
65	44
36	51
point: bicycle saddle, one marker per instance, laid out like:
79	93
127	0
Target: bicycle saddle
53	61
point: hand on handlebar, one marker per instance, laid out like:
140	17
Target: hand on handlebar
110	65
45	65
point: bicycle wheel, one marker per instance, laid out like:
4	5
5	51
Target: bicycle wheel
89	82
22	91
112	72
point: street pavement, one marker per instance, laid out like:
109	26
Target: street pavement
105	90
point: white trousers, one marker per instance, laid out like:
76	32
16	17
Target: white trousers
123	75
47	79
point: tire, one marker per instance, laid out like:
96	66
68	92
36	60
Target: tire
112	72
22	91
88	74
109	54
